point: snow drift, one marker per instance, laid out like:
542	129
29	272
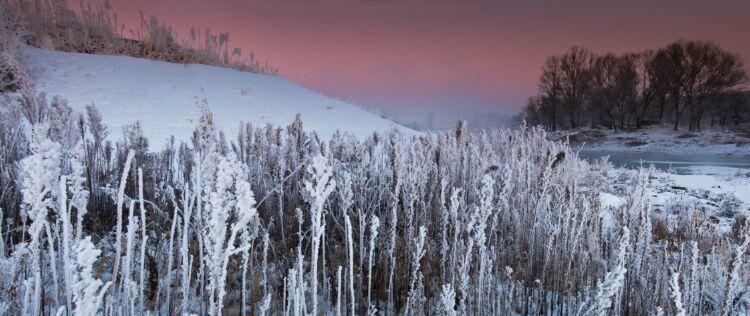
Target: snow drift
163	96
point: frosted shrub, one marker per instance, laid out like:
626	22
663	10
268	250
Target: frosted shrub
675	294
170	260
374	225
447	301
264	305
613	280
40	173
318	189
338	291
88	292
120	200
480	220
64	216
10	290
78	187
144	241
12	76
185	257
231	209
734	273
127	288
415	296
350	260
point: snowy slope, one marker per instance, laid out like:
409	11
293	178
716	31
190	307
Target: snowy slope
162	96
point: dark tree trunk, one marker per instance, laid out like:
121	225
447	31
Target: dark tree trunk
676	114
661	110
554	117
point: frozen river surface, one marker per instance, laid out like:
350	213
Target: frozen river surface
688	163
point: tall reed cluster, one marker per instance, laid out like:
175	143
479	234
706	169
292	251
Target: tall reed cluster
277	220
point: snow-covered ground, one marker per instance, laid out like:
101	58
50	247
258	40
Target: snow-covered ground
720	193
662	139
730	182
705	171
163	96
720	196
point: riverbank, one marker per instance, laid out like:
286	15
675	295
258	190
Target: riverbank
661	140
674	162
704	174
720	195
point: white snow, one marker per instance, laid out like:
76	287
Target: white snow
720	171
721	193
663	139
162	96
738	187
705	182
610	200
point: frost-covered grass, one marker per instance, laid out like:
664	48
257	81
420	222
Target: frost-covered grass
92	28
276	220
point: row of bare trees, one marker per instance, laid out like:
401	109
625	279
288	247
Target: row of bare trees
685	82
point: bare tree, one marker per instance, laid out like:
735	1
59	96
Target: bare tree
645	89
672	72
716	73
613	88
575	66
550	88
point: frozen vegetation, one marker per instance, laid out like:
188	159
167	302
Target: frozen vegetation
276	220
102	212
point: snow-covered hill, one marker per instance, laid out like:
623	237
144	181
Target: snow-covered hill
162	96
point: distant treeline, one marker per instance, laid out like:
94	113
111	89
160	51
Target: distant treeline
686	83
476	121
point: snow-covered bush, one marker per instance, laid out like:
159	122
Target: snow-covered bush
613	281
12	76
88	291
318	188
39	186
227	215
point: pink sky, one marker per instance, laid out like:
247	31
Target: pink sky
412	54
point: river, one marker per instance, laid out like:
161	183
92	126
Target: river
678	163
